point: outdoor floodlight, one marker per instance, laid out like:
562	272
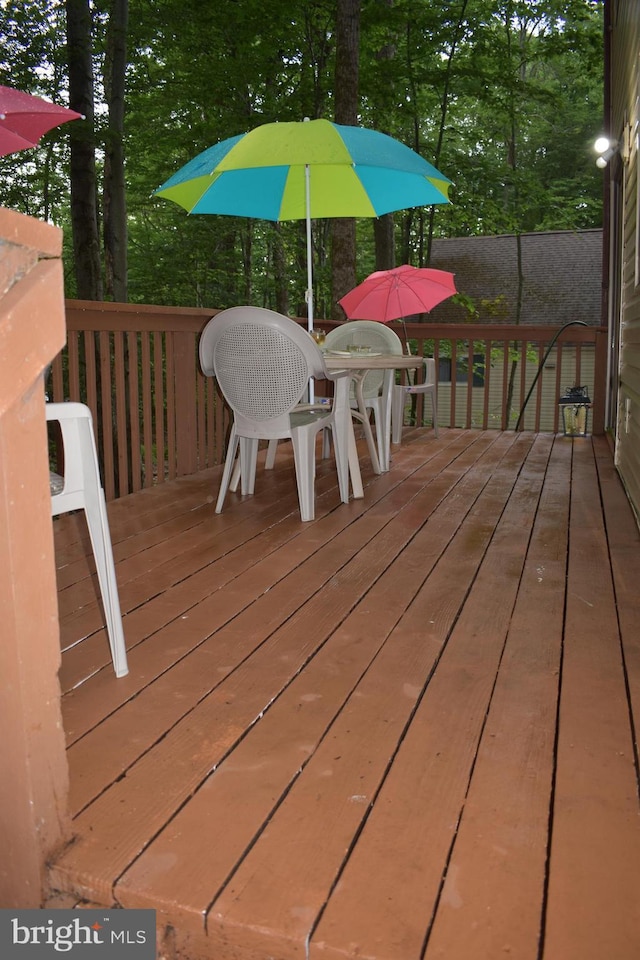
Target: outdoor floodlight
606	149
602	144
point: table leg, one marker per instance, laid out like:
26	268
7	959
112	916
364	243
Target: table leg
386	404
354	467
366	424
342	407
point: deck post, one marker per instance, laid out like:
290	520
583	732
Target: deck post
34	819
600	385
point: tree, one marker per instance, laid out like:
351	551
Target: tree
114	202
84	206
35	182
343	276
504	96
384	227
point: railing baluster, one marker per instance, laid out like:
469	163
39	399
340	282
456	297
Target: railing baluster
158	383
134	412
470	363
487	384
172	452
106	418
539	389
147	409
558	386
121	436
454	380
91	373
74	392
521	361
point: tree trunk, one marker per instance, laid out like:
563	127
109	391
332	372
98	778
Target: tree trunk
384	227
114	202
458	33
384	238
279	271
343	247
84	207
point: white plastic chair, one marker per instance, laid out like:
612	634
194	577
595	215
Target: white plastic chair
381	339
400	392
80	489
263	362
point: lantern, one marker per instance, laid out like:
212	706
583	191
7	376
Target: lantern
575	404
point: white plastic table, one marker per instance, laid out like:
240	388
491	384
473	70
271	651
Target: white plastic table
359	364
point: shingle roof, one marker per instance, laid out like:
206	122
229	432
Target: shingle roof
562	273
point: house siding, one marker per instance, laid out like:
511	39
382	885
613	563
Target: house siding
625	172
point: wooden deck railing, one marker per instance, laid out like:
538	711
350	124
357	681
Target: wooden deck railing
35	820
136	367
157	417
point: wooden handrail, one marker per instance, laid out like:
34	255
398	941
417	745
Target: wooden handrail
157	417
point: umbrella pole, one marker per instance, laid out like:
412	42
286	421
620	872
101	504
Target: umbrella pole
309	293
408	346
406	337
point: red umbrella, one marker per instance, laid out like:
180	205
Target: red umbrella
391	294
25	118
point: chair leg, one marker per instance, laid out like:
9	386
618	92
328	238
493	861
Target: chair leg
363	416
270	459
304	448
96	514
248	465
380	444
326	443
228	469
235	476
344	443
269	464
345	454
397	413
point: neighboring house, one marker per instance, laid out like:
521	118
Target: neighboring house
561	277
622	235
561	282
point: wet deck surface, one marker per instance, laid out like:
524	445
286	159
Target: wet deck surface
403	730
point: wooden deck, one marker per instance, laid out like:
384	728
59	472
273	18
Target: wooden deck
403	731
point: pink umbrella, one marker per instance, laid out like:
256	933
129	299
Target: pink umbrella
25	118
391	294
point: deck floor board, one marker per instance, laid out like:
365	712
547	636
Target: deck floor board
400	732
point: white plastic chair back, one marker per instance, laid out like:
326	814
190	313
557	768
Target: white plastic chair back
381	339
263	362
81	489
428	388
366	333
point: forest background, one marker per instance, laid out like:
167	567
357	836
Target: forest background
505	97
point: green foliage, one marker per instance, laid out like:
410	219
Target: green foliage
504	96
35	182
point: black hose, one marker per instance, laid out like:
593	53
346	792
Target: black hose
544	360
